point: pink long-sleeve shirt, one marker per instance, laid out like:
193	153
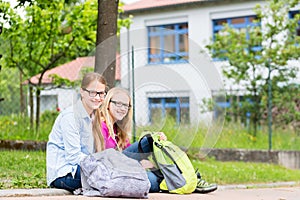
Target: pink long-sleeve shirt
108	140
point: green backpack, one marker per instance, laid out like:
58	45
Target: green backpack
172	164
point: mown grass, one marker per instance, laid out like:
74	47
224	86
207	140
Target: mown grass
244	172
24	169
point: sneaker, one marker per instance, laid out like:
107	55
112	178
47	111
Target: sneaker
203	186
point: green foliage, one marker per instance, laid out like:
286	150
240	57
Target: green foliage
9	90
62	82
49	116
286	107
47	35
123	22
50	33
208	105
82	73
17	127
235	135
232	135
170	127
252	68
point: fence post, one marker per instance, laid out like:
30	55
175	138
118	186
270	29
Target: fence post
269	106
133	97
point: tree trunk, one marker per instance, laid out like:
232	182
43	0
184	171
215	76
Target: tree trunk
106	44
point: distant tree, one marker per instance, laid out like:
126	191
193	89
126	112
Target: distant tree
286	107
260	54
50	33
9	92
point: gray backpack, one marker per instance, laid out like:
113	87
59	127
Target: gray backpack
110	173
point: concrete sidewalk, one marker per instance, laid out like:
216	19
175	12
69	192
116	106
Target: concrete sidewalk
272	191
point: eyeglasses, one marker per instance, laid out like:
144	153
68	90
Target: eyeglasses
120	104
94	93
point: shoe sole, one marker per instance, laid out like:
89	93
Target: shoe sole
205	190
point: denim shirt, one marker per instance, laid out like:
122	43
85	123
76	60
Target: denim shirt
70	141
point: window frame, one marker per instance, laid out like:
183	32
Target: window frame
162	56
291	16
163	105
248	22
217	28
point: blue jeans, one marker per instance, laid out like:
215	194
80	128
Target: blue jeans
133	152
68	182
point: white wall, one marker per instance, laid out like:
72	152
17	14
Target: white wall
201	75
52	99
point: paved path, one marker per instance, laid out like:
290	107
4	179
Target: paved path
286	191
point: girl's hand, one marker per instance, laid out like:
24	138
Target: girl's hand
162	136
146	164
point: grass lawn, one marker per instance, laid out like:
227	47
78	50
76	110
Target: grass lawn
225	173
27	169
21	169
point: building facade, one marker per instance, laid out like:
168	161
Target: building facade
164	60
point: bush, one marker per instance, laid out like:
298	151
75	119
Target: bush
49	116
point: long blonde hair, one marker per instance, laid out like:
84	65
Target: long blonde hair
123	127
97	134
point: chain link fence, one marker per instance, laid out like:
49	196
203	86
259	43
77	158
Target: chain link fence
161	95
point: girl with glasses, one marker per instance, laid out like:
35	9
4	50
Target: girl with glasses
115	119
73	136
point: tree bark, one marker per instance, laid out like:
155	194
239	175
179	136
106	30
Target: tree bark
106	43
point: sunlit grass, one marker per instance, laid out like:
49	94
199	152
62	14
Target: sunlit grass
17	127
227	135
22	169
244	172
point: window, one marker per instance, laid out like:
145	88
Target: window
241	24
176	107
292	15
168	43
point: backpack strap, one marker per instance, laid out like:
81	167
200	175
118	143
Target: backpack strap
169	155
155	170
150	141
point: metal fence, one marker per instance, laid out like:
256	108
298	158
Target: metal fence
161	93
